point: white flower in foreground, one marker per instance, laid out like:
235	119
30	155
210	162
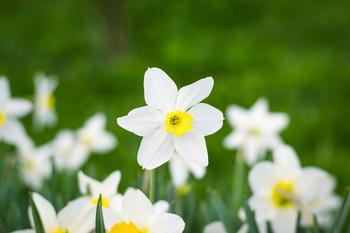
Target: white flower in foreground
281	188
256	130
34	164
139	216
180	169
70	219
215	227
67	153
11	109
173	120
44	110
94	138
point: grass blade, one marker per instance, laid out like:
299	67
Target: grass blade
221	211
100	225
38	224
342	215
253	227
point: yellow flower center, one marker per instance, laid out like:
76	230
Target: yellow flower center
30	164
50	101
2	118
255	131
178	123
126	227
283	194
60	230
105	201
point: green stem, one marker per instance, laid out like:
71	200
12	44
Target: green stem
238	182
152	186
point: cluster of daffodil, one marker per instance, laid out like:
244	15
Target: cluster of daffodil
173	126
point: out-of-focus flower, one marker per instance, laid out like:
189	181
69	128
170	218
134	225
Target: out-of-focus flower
94	138
215	227
173	120
34	163
281	188
256	130
44	110
70	219
180	168
66	151
11	109
139	215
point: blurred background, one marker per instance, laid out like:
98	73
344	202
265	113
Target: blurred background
297	54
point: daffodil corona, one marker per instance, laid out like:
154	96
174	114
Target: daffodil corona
173	120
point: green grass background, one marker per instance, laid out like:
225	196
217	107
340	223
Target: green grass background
295	53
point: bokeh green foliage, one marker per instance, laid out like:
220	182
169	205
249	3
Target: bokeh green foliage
295	53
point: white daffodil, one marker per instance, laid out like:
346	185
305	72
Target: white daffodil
281	188
94	138
11	109
256	130
71	218
215	227
180	168
44	110
173	120
139	216
67	153
34	164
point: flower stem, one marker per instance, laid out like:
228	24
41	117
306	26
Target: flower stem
152	186
238	182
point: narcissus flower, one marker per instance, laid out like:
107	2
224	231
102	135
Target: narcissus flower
256	130
173	120
215	227
34	164
70	219
281	188
140	216
180	168
44	110
11	109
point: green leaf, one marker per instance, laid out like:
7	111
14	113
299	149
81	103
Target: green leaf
100	225
269	227
298	224
221	211
342	215
253	227
38	224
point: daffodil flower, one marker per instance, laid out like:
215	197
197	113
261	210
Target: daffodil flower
11	109
173	120
70	219
256	130
215	227
281	188
94	137
140	216
44	109
34	164
180	169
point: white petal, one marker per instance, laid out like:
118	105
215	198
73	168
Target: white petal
206	119
260	107
262	178
278	121
24	231
178	170
263	208
215	227
284	222
111	183
253	150
155	149
13	132
161	206
194	93
142	121
195	169
86	184
233	140
137	207
18	107
46	211
5	93
160	90
287	162
236	115
167	223
192	147
104	142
